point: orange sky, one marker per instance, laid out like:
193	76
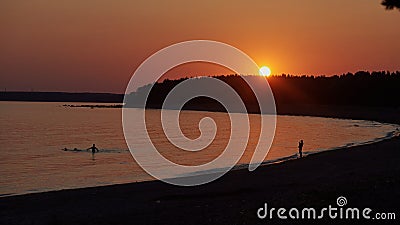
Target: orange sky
95	45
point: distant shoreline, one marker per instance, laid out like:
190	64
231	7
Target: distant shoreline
379	114
61	97
93	106
375	113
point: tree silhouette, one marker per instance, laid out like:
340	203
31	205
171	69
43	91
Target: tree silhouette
363	88
391	4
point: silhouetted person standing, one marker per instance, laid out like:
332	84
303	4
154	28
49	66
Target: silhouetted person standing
301	143
93	149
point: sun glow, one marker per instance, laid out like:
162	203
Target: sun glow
265	71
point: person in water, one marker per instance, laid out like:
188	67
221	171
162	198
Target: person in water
94	149
301	143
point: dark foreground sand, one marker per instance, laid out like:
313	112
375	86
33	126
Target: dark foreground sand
368	176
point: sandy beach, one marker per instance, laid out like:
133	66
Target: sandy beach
368	176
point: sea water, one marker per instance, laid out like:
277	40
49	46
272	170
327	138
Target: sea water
35	135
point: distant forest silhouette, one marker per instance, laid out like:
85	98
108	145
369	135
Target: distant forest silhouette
376	89
291	93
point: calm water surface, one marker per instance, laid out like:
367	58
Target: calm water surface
33	135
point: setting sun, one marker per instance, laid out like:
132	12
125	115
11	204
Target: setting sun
265	71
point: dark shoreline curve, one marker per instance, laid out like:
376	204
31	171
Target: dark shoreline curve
367	175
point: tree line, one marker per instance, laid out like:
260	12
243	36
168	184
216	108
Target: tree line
363	88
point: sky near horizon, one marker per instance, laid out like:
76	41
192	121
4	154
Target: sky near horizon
95	45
